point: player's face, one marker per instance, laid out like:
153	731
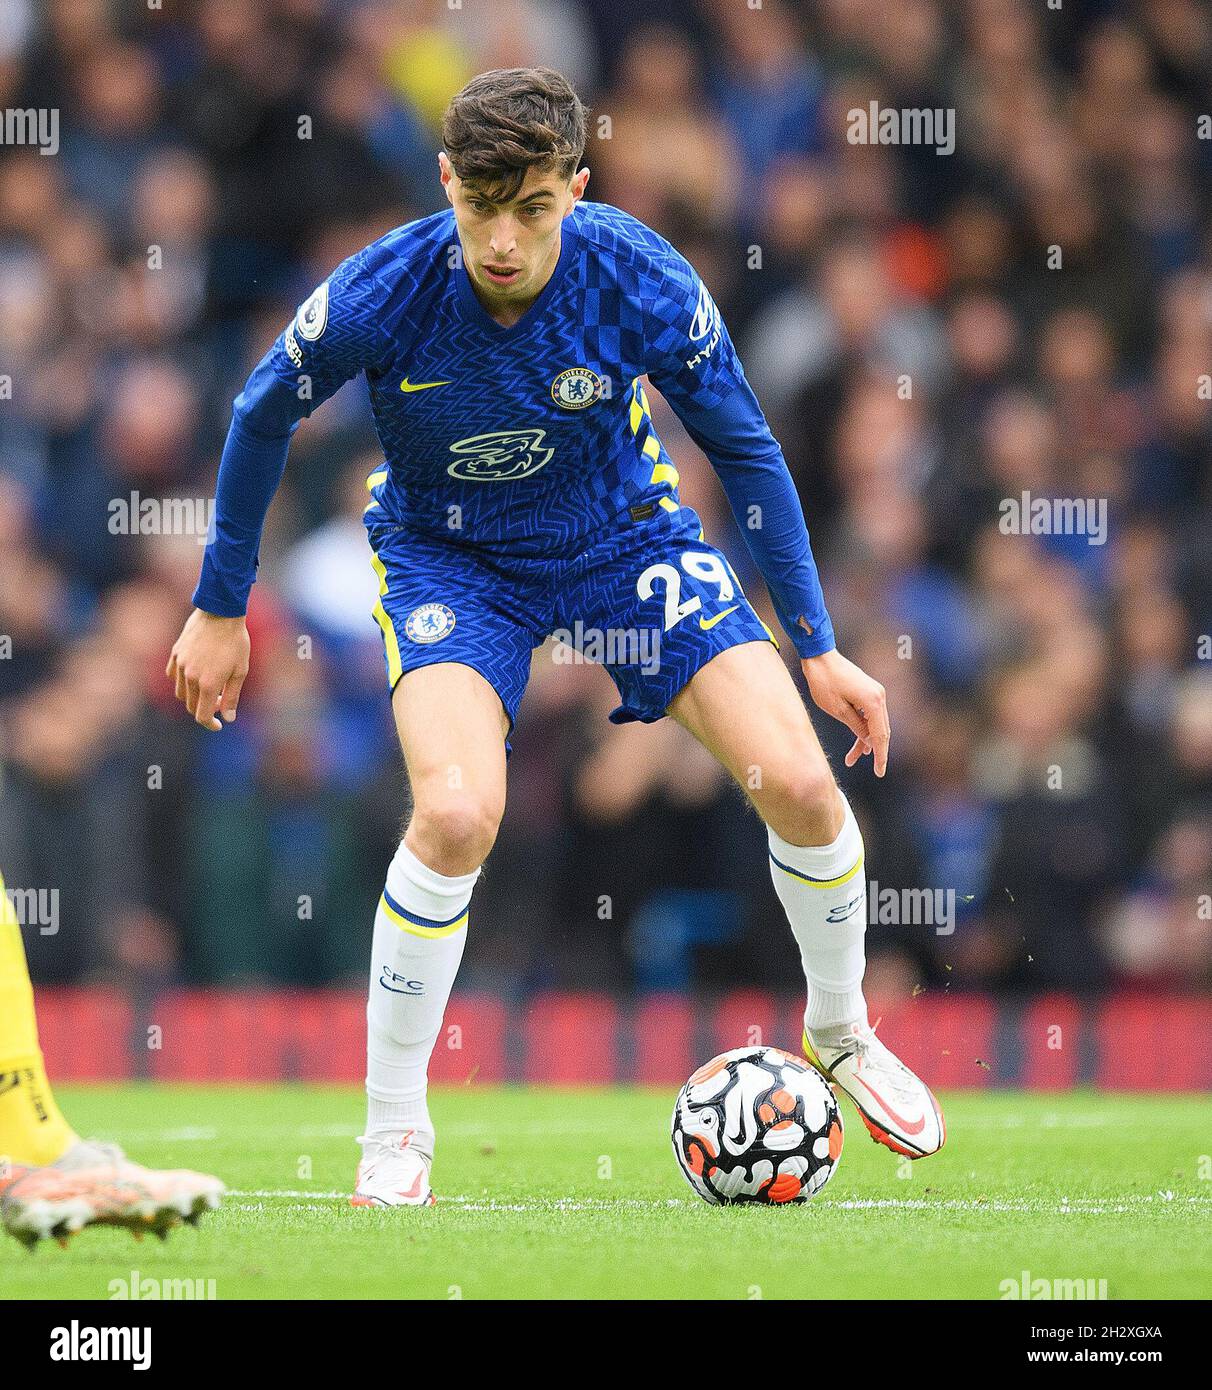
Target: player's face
510	249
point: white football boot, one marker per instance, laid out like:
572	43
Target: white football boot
393	1173
897	1108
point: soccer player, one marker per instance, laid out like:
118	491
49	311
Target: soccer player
505	343
52	1182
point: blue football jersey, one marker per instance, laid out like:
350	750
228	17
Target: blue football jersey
529	440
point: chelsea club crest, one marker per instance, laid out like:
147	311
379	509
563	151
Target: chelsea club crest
429	623
576	388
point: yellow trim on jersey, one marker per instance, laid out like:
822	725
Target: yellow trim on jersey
665	473
374	479
430	933
638	411
395	668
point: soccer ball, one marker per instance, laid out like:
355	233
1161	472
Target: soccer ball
756	1125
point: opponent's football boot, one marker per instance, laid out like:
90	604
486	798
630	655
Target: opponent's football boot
95	1184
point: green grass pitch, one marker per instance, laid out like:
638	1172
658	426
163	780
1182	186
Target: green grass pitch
575	1194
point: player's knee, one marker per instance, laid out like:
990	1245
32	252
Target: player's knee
802	803
454	833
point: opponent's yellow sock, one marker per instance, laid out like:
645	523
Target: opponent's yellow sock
32	1131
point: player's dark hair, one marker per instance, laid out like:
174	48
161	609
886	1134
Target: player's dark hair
510	120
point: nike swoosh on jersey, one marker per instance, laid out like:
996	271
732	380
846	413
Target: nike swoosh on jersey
708	623
407	385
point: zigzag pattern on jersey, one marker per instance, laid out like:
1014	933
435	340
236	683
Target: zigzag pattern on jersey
505	606
490	459
368	296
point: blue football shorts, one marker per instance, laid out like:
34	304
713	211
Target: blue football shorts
651	601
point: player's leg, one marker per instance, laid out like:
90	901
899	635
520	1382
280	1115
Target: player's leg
33	1132
743	706
457	638
51	1181
711	664
452	729
706	659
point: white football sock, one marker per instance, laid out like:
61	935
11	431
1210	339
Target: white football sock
420	931
823	889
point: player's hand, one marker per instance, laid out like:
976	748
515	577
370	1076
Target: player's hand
841	689
208	664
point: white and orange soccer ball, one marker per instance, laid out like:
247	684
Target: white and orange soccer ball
757	1124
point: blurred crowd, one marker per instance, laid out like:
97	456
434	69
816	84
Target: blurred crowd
923	353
